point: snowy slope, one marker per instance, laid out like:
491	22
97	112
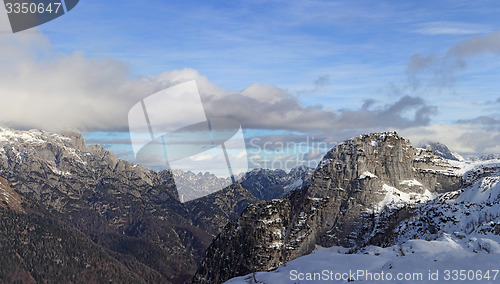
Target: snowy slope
454	236
416	261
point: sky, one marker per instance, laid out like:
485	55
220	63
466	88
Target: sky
300	76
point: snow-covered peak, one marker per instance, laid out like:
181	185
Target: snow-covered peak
33	136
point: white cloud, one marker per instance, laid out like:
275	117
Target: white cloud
40	88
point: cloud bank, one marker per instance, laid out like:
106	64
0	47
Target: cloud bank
464	138
44	89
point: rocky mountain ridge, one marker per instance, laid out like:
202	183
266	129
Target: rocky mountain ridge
264	184
269	184
131	213
456	230
345	204
443	151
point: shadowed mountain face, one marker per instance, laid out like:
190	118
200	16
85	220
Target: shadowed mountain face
130	212
128	215
355	182
38	248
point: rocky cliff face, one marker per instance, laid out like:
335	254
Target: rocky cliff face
361	189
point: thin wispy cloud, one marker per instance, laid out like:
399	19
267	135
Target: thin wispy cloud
486	122
451	28
320	83
477	45
440	70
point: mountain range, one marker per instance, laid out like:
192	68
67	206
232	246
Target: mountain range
119	218
75	213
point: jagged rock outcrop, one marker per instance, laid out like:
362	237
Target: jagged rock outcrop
353	185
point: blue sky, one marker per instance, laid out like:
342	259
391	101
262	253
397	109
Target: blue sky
428	69
361	47
286	43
